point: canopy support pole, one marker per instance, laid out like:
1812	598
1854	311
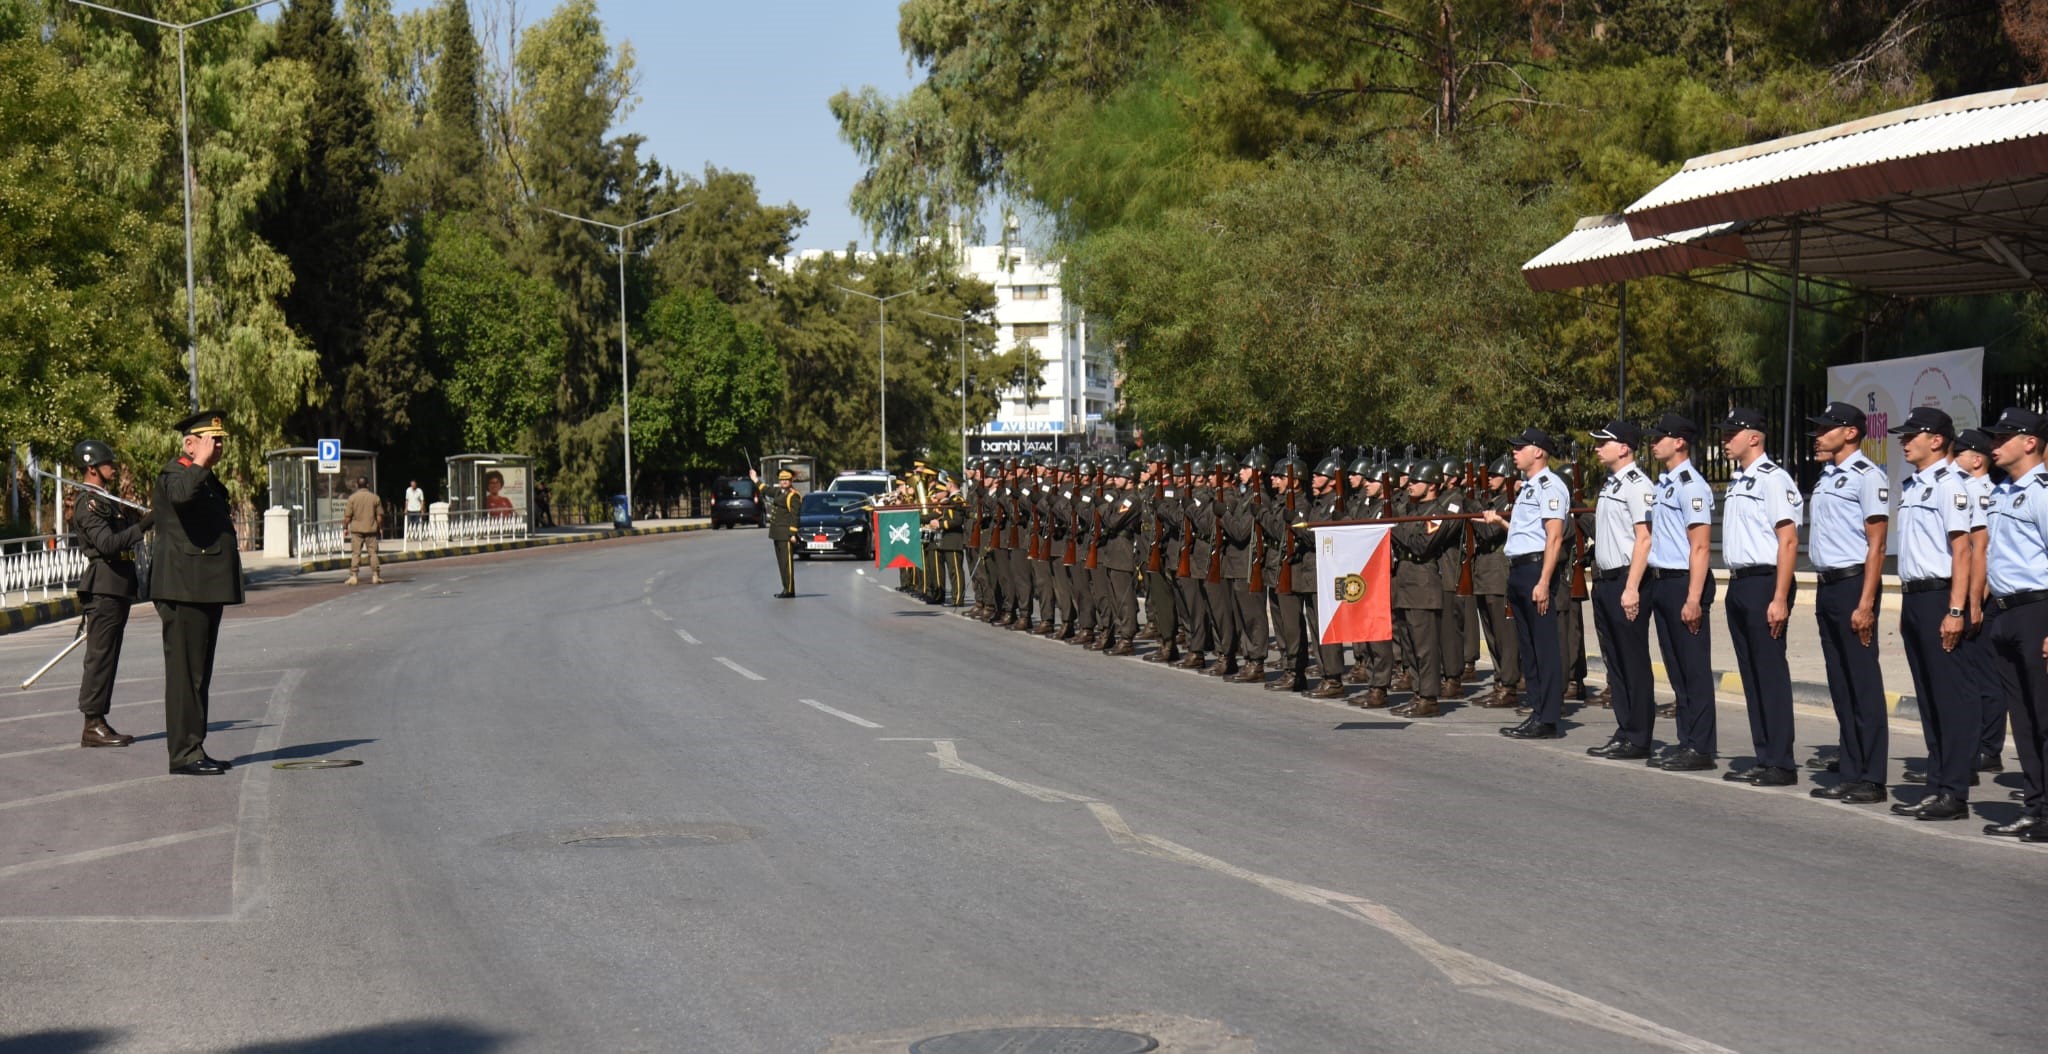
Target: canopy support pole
1791	340
1621	358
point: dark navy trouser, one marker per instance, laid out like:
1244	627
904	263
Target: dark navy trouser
1766	675
1855	682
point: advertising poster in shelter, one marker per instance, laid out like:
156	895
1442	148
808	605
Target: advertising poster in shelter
1886	390
505	490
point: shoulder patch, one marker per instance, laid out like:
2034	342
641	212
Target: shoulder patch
1699	504
1553	504
1685	475
1962	501
1792	496
1941	473
1884	494
1767	467
1543	481
1861	465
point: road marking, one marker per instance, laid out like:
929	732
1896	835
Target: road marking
79	792
1466	971
840	714
374	610
38	750
687	639
649	601
143	702
738	669
91	855
663	615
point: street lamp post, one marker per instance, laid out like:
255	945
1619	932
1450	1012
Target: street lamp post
184	171
625	371
962	320
881	302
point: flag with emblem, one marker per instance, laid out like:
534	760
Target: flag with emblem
898	543
1354	587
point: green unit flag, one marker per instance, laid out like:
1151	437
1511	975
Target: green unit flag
898	542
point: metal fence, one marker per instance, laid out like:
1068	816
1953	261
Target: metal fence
38	568
463	528
321	539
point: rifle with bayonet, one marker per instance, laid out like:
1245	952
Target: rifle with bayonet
1156	561
1578	586
1473	494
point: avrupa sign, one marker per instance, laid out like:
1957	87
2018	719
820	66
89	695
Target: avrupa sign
1886	390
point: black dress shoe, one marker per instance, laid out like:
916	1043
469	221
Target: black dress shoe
1688	760
1628	752
1988	762
1531	730
2038	834
1765	776
1605	749
2021	826
1833	793
1943	807
1912	776
1747	775
2018	795
1861	793
203	767
1908	808
1824	764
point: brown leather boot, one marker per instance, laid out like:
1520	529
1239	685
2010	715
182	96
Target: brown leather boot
1452	688
1420	706
1328	688
1253	673
1575	690
1125	648
1227	667
1373	699
1289	684
1169	655
1501	698
1470	672
1357	674
100	734
1191	661
1404	681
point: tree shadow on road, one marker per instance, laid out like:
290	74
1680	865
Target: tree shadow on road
58	1041
300	750
437	1037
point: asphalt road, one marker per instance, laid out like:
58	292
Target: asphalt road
615	797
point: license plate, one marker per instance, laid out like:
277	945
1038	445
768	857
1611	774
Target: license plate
820	545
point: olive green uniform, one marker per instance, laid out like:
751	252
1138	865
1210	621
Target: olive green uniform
785	506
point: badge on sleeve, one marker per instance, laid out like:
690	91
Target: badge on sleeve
1553	504
1841	481
1792	496
1962	502
1699	504
1884	494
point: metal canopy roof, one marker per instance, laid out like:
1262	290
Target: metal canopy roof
1947	198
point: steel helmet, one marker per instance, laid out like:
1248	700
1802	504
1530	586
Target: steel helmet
92	452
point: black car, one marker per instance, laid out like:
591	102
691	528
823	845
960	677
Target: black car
835	522
735	500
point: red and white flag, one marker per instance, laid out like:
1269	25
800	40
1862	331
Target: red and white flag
1355	587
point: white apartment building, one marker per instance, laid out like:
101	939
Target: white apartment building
1079	390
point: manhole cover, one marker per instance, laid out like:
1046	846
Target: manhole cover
1037	1041
318	763
626	836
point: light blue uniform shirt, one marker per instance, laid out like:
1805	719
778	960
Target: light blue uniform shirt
1933	504
2018	554
1542	497
1625	501
1848	496
1759	498
1683	500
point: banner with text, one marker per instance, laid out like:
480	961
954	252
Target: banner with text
1887	389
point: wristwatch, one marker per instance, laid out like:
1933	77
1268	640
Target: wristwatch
1955	613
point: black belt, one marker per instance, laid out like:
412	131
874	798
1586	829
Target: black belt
1836	574
2019	599
1609	575
1752	571
1655	573
1525	558
1923	585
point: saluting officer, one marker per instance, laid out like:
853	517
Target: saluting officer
1851	516
1535	553
785	507
108	532
195	573
1934	523
1760	545
2017	576
1682	589
1621	558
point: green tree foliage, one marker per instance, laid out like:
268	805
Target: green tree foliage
707	387
494	334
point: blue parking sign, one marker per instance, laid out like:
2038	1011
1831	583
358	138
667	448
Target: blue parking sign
330	455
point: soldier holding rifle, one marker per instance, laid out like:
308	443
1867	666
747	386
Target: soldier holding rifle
108	531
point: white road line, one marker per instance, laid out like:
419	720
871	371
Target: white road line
39	750
458	578
840	714
687	639
1467	972
374	610
738	669
79	792
91	855
663	615
141	702
649	601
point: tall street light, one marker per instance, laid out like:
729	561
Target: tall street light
625	374
962	320
883	344
184	171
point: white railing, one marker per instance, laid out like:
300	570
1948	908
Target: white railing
464	528
321	539
45	564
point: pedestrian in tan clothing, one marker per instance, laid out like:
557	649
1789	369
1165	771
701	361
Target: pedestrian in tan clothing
364	523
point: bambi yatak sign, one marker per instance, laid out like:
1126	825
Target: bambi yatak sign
1886	390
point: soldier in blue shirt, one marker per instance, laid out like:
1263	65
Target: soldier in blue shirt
1682	589
1535	555
1621	557
2016	573
1851	516
1972	457
1933	527
1760	545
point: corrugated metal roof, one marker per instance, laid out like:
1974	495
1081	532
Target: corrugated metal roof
1600	250
1943	145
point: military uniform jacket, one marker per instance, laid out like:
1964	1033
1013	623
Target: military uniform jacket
108	531
197	558
1042	497
1201	509
1120	521
981	505
784	506
1307	510
1240	513
1451	560
952	516
1418	578
1164	525
1489	559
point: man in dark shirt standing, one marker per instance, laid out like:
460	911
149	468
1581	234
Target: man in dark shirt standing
196	572
108	532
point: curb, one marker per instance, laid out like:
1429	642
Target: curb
340	563
42	612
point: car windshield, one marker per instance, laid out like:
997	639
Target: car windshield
736	488
833	501
865	486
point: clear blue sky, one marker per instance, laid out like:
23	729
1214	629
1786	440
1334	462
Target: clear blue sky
743	86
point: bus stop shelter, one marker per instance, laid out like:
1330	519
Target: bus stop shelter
317	500
493	483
